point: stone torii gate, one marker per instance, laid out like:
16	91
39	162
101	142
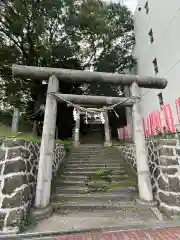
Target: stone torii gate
43	188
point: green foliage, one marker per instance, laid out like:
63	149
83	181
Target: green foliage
60	33
6	132
98	180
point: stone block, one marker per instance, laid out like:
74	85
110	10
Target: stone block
2	154
169	171
18	152
29	166
2	217
15	217
174	184
1	165
1	141
152	181
15	166
168	142
178	151
13	182
13	142
156	172
170	199
166	151
32	178
163	185
152	167
21	197
168	212
34	170
168	161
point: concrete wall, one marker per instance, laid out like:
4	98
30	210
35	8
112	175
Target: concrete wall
164	20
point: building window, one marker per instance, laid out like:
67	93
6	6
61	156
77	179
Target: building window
160	96
155	65
151	36
146	7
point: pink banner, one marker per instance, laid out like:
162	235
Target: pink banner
178	108
167	112
150	124
145	126
120	133
125	133
129	130
159	127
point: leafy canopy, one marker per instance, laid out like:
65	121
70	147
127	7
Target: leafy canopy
76	34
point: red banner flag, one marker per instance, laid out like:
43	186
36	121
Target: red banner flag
178	108
159	128
125	133
150	124
145	127
167	112
120	133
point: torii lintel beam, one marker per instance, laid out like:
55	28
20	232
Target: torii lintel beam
78	76
94	100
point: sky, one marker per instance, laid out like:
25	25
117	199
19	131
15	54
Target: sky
131	4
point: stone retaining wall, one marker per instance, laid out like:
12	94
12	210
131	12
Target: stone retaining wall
164	165
18	174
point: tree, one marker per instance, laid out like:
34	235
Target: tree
88	34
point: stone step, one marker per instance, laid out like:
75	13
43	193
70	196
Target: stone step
67	181
123	195
79	168
79	189
85	158
95	165
94	153
85	172
93	161
90	170
71	189
95	204
78	177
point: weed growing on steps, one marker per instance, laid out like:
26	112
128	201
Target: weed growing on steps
101	181
96	181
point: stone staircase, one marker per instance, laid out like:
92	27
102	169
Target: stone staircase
96	189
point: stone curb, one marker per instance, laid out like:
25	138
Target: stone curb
41	214
131	227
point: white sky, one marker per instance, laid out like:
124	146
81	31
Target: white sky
131	4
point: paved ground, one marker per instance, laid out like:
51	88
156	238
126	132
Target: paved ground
143	234
76	220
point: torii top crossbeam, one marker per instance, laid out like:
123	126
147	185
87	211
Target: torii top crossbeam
77	76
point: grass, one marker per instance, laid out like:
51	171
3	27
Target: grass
6	132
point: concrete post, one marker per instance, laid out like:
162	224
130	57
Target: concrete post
144	182
15	120
76	132
107	142
43	188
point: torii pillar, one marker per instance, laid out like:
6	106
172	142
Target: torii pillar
144	179
77	130
43	188
107	142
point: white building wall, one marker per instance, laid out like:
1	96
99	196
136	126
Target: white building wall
164	19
